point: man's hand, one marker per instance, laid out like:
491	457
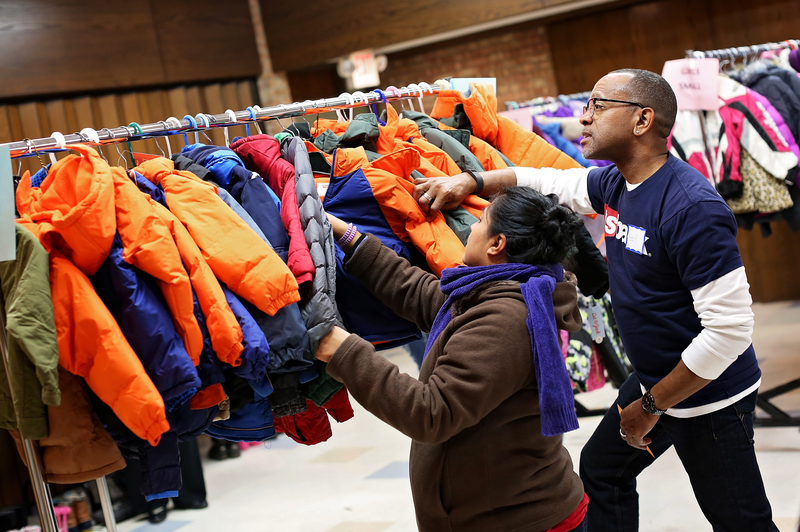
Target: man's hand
635	423
442	193
330	343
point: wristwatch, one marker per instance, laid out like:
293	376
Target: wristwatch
649	405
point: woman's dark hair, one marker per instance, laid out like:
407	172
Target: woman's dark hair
537	229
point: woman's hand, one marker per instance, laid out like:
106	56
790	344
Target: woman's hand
330	343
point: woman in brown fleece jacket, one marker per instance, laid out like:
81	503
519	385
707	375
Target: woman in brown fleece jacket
479	460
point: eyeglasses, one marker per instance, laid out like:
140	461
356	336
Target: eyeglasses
592	104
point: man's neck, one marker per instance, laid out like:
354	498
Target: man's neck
637	170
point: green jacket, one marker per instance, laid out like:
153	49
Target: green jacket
27	308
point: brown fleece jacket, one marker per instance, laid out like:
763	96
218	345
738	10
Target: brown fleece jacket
478	459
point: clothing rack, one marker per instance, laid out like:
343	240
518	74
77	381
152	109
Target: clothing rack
743	51
542	100
777	416
172	126
202	121
41	491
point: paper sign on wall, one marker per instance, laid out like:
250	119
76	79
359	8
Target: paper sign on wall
695	82
462	84
8	238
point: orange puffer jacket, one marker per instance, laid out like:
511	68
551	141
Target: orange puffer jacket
523	148
392	187
236	255
85	202
223	328
91	345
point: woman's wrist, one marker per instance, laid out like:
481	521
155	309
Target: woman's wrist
349	237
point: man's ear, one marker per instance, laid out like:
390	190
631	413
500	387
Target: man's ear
497	246
645	121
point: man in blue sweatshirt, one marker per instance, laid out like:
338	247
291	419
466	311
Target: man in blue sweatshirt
681	299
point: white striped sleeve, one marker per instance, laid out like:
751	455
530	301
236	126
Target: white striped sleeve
569	185
724	308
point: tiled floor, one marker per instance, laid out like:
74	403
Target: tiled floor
358	480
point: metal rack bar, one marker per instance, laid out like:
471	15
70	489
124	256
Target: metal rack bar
543	100
105	502
308	107
743	51
41	491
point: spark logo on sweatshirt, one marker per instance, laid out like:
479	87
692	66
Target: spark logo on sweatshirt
632	236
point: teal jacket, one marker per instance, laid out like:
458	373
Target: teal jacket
27	307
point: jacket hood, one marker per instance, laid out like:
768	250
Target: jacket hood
75	200
226	168
480	106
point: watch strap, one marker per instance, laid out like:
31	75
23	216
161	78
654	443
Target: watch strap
478	180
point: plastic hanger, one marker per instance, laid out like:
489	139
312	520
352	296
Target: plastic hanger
32	149
394	92
205	120
137	129
359	94
171	123
90	135
60	143
231	118
383	99
254	110
340	113
193	124
419	98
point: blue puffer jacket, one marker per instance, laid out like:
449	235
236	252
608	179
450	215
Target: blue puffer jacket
255	356
138	307
161	473
253	423
288	337
350	198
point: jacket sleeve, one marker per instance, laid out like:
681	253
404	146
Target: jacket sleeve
31	335
466	383
223	328
92	346
36	337
410	292
148	245
236	255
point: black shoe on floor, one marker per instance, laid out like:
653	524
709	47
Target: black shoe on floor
218	452
194	505
157	515
233	450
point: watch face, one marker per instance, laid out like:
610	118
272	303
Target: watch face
649	404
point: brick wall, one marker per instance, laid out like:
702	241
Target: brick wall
273	87
519	57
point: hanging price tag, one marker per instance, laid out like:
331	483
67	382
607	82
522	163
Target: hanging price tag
8	239
596	325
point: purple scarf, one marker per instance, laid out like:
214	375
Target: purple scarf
556	401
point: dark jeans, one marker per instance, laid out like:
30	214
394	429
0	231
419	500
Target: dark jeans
581	527
716	451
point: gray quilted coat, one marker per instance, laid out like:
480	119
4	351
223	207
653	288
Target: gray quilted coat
318	305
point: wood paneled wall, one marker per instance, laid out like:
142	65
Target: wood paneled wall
585	48
77	46
299	38
40	118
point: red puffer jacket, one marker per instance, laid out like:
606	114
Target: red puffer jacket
262	154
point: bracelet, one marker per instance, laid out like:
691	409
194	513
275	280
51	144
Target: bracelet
348	235
478	180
